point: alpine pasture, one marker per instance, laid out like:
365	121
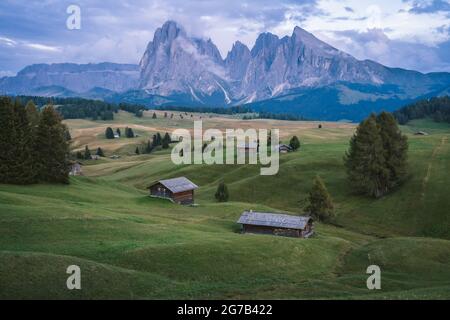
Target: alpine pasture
131	246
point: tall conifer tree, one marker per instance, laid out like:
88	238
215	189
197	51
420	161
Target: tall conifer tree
320	203
395	145
366	160
52	148
7	139
22	169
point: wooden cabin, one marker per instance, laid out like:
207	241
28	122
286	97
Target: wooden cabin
276	224
178	190
284	148
76	169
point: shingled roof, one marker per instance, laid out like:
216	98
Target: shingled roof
274	220
177	184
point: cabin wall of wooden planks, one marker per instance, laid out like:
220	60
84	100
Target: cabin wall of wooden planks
160	191
247	228
185	197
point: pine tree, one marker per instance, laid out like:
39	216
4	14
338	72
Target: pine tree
294	143
366	160
129	133
154	115
99	152
67	134
395	145
8	136
149	147
23	168
222	194
118	132
154	141
32	115
320	203
87	153
52	148
166	141
158	139
109	133
137	151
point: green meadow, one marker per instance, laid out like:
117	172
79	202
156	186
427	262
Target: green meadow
131	246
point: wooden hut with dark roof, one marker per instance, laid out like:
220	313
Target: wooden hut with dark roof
178	190
276	224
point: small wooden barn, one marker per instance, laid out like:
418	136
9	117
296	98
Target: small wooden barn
76	169
276	224
284	148
179	190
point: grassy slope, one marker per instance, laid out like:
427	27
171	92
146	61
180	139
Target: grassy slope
131	246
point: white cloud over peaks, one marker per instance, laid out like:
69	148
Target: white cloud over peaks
375	45
392	16
119	30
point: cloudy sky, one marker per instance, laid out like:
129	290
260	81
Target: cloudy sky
410	34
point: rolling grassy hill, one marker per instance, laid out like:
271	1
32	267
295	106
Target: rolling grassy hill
134	247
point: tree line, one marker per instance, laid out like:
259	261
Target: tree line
80	108
437	109
275	116
34	145
218	110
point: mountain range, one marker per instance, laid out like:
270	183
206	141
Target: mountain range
297	74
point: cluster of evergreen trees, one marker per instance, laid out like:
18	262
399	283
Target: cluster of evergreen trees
87	155
436	108
218	110
275	116
137	109
157	141
129	133
79	108
377	159
34	145
109	133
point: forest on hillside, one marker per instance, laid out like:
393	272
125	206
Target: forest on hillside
79	108
437	109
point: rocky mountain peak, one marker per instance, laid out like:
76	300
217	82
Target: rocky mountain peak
237	60
191	71
265	42
169	31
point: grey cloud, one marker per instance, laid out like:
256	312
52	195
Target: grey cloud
420	6
375	45
349	9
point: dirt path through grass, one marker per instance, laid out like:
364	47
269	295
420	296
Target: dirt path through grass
436	150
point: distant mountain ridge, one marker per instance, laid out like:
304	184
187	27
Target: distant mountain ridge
77	78
297	74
